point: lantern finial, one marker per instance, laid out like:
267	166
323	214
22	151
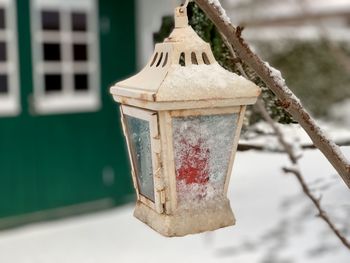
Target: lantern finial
181	19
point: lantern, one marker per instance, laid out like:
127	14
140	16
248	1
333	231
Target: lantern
182	116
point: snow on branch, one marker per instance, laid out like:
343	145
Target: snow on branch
276	75
221	10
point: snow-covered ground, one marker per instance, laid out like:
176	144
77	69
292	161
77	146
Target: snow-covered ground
275	223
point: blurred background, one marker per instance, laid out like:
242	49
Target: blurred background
62	152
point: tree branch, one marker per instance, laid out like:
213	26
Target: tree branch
277	85
293	157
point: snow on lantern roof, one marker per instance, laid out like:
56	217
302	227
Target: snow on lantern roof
183	68
204	82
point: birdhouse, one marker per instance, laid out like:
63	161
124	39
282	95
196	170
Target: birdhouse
182	116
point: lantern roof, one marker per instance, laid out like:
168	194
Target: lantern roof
183	68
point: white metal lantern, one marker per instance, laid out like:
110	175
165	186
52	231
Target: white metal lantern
182	116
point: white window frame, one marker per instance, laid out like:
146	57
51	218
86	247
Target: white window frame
67	100
10	101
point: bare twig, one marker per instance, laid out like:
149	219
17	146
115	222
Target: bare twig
294	160
251	146
293	157
321	213
288	100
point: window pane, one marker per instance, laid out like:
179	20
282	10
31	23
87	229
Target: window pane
81	82
53	82
3	54
52	52
79	21
140	143
80	52
3	84
202	148
2	18
50	20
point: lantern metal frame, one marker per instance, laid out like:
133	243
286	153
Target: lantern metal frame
152	119
148	96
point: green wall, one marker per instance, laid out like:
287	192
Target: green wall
57	160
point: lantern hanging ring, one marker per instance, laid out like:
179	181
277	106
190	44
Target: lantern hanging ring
184	6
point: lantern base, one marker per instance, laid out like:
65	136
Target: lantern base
186	221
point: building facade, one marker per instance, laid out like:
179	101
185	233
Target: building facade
61	143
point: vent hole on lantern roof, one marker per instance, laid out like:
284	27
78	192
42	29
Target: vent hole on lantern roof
205	59
182	59
154	59
165	59
194	58
160	59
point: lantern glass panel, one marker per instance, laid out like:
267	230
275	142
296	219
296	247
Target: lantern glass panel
140	144
202	150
